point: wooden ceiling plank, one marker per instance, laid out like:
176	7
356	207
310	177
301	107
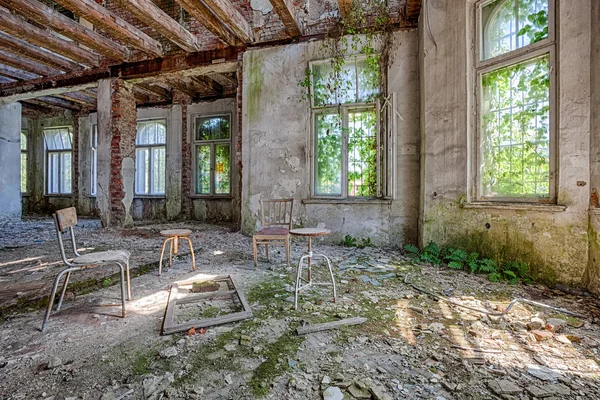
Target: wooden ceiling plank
35	107
224	79
78	97
62	103
17	26
113	25
209	84
26	64
182	86
287	14
147	12
231	17
46	16
155	90
24	49
203	14
15	73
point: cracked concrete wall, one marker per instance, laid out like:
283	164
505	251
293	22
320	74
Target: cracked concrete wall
10	162
554	242
276	129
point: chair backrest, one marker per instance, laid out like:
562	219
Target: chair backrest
277	212
65	219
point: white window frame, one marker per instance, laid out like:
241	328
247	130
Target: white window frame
60	152
384	137
212	144
25	152
93	159
148	173
544	47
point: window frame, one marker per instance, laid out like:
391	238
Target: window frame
94	159
25	152
148	176
382	145
60	152
523	54
212	143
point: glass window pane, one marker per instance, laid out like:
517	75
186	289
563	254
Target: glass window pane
362	153
329	154
142	165
368	79
515	124
158	170
94	172
214	128
53	173
324	84
23	141
66	139
203	169
151	132
511	24
23	172
65	172
222	169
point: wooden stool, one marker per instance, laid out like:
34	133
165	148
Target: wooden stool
172	237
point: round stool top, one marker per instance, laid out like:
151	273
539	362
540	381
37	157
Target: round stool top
310	232
176	232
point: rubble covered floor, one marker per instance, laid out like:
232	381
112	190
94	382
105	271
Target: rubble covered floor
412	346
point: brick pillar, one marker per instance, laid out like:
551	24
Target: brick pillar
116	152
186	154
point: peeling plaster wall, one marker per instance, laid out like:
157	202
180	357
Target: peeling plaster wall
276	136
554	243
10	162
214	209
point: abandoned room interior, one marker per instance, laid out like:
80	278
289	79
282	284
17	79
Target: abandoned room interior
299	199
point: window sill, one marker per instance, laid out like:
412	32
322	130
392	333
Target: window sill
148	196
201	197
59	195
347	201
515	206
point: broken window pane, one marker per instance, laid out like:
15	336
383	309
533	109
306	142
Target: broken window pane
511	24
222	172
362	153
329	154
515	122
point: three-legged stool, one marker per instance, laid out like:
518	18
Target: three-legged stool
172	237
302	283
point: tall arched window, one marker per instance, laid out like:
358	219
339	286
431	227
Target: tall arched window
150	157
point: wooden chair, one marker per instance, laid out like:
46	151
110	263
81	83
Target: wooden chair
65	219
276	221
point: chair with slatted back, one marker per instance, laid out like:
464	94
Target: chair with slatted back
276	222
64	220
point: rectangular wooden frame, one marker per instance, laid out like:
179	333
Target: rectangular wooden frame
169	327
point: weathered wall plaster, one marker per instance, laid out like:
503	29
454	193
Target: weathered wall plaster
10	162
276	134
553	242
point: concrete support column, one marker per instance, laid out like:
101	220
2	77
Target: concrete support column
10	162
116	152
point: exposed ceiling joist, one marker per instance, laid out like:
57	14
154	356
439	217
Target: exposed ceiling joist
27	106
184	86
147	12
24	49
62	103
140	96
4	79
287	14
155	90
231	17
46	16
78	97
202	14
208	84
224	79
26	64
11	72
113	25
18	27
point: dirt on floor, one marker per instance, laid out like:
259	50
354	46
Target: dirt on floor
412	346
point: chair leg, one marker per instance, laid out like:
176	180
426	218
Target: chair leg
192	251
287	250
122	289
128	281
332	279
267	251
171	252
64	289
297	287
51	300
254	248
162	253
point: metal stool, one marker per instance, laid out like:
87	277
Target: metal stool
310	232
172	237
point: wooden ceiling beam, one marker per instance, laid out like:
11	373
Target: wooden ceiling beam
46	16
26	64
79	97
230	16
209	84
34	107
15	73
113	25
182	86
204	15
224	79
287	14
147	12
61	103
155	90
35	53
140	96
17	26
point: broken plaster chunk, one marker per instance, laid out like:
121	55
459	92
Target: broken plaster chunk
333	393
54	362
168	352
504	386
556	325
358	392
541	336
536	324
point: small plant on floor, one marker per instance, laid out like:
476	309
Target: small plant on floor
106	282
364	242
349	241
